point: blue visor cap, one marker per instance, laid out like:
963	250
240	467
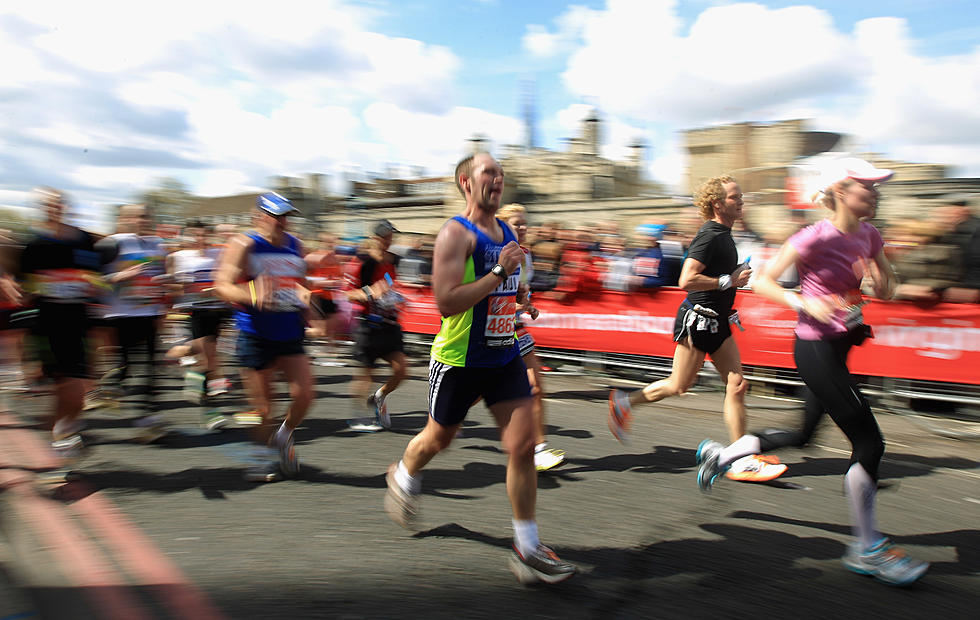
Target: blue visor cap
651	230
274	204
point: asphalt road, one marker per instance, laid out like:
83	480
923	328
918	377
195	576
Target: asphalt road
171	530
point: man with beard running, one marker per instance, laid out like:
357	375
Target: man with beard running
710	274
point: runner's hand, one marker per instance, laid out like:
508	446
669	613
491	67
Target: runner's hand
819	309
9	290
511	257
129	272
264	291
741	277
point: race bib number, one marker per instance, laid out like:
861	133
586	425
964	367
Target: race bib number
141	290
499	331
64	285
285	297
525	342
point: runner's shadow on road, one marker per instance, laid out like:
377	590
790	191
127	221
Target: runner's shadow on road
661	460
894	466
966	542
716	559
592	396
213	482
438	482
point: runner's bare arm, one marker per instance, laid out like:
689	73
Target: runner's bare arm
453	245
230	270
691	278
885	281
765	283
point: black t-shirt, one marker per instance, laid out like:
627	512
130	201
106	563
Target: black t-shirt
714	247
44	252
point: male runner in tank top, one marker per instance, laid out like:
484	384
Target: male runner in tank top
263	271
475	275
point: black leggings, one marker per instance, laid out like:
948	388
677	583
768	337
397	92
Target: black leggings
130	332
830	388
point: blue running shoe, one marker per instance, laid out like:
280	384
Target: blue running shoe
885	562
708	468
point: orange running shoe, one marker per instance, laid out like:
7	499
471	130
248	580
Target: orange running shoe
754	469
620	415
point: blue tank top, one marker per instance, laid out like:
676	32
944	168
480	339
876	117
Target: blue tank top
285	268
482	336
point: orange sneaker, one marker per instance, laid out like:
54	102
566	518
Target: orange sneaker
754	469
620	415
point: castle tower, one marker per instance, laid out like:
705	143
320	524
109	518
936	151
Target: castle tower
590	134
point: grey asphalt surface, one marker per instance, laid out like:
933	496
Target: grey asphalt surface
648	542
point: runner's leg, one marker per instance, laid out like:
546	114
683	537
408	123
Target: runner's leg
683	373
517	434
729	365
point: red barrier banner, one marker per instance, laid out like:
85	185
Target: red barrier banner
939	342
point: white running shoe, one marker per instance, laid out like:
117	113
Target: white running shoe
381	416
549	458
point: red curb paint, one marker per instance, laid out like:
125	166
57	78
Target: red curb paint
79	559
141	558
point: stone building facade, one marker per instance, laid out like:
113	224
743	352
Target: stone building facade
578	187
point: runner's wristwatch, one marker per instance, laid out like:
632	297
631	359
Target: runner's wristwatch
499	271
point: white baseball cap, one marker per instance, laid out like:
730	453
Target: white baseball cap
819	176
861	170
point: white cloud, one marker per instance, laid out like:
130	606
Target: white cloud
745	61
541	42
437	141
222	182
235	85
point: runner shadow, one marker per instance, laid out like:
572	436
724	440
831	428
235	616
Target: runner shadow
213	482
592	396
662	459
893	466
966	542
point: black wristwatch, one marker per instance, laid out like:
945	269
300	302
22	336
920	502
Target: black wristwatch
498	270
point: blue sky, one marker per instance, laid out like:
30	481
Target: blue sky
222	95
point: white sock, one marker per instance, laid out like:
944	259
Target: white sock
380	394
526	535
743	446
861	491
540	447
64	428
282	435
410	484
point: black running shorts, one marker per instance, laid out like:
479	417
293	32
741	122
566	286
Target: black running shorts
454	389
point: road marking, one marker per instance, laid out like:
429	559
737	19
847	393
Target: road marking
82	563
140	556
80	558
970	499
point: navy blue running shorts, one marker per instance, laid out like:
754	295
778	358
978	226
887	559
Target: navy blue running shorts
258	353
454	389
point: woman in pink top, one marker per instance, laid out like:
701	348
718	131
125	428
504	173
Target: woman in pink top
832	256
